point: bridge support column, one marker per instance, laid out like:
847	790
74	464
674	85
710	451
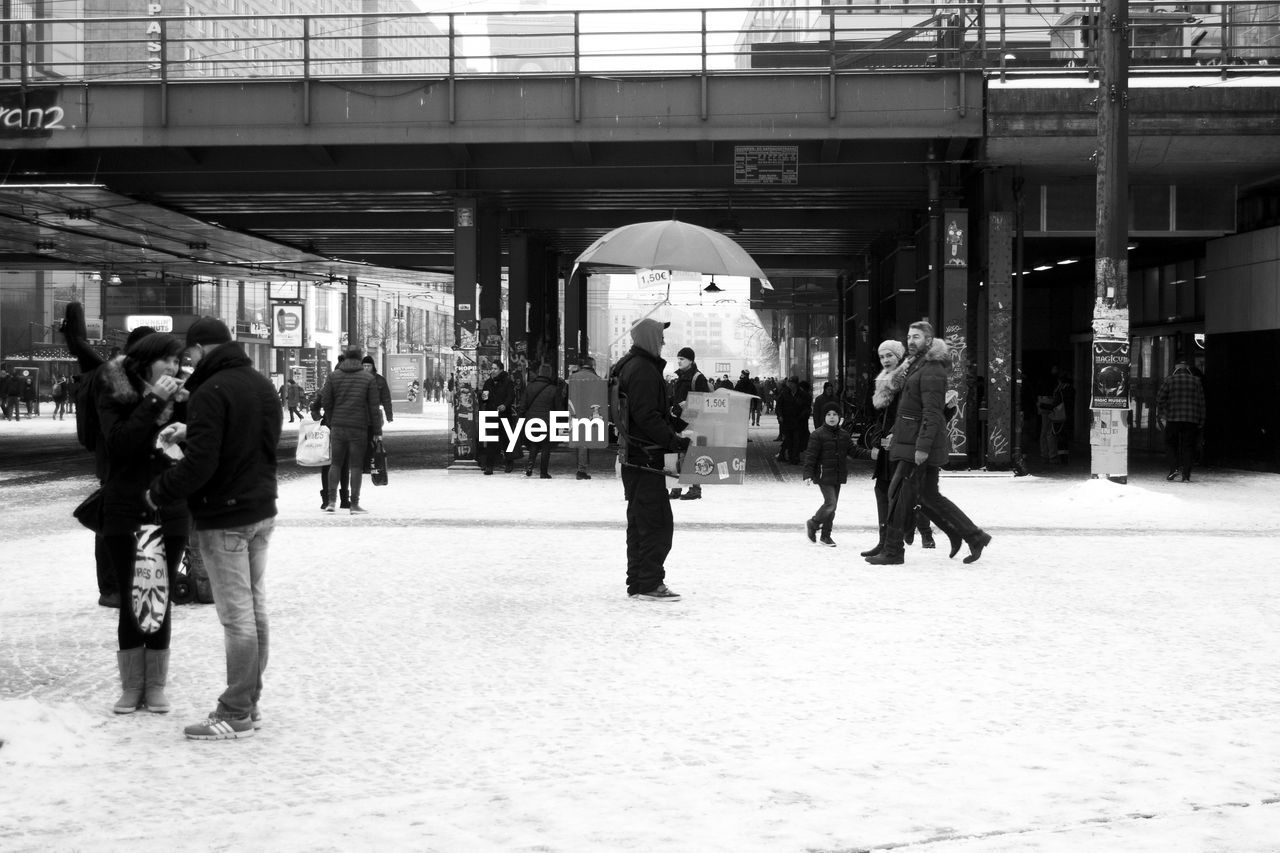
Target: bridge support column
954	327
465	336
1003	413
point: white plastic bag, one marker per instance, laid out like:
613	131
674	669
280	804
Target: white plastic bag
313	445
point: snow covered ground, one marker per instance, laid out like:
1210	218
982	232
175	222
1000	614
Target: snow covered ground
462	671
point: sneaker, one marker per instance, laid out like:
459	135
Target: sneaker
691	495
827	540
1172	475
329	508
356	509
583	475
811	530
661	593
220	728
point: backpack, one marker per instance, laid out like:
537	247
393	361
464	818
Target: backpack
618	405
59	389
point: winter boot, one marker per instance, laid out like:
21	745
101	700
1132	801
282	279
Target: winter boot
871	552
977	542
926	539
694	493
324	498
344	499
892	553
132	664
157	674
811	530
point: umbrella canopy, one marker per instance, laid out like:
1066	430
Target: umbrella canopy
670	244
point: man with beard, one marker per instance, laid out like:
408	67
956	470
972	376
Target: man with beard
919	450
688	378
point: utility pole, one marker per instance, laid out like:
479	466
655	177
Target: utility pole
1109	388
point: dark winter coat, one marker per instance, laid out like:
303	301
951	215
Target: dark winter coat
130	419
228	475
384	395
543	395
687	379
826	459
501	393
350	399
644	428
920	424
792	410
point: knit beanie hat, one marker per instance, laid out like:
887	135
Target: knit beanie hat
892	346
829	407
368	359
137	335
685	352
208	330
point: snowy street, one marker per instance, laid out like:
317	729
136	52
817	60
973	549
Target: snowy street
461	670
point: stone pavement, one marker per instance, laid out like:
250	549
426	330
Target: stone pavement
460	670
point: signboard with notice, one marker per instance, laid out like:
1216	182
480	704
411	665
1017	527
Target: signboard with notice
766	164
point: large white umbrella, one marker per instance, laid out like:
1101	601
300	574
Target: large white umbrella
670	244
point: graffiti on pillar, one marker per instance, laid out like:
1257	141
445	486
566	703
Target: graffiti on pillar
1002	408
958	381
998	441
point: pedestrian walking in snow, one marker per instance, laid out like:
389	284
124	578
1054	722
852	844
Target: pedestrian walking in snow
542	396
293	396
350	402
228	478
1180	413
919	450
884	400
826	463
137	396
642	417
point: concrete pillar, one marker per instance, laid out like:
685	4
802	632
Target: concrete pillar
1003	415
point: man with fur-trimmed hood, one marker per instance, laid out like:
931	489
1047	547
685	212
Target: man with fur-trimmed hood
919	450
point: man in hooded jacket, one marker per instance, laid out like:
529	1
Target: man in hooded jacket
645	434
350	402
228	478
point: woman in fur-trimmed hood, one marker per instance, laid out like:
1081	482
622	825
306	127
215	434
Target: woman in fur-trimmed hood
888	388
138	395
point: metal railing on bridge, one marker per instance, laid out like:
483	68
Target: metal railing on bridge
840	37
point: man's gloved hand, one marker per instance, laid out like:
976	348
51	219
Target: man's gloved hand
682	443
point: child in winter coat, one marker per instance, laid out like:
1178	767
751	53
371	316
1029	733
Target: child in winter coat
826	463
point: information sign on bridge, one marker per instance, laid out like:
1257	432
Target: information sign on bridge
766	164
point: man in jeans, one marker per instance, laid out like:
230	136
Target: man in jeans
228	477
350	403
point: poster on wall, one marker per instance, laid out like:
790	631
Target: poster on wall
956	238
1109	388
286	325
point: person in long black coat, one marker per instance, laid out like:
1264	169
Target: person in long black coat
137	395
